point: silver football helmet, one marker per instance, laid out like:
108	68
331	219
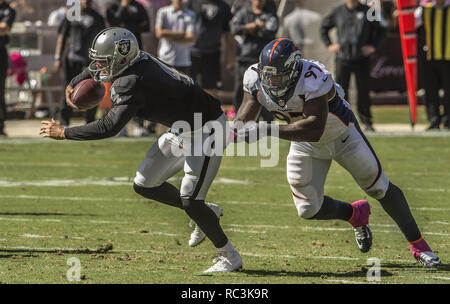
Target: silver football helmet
113	50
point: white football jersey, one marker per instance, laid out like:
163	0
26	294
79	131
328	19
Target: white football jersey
315	81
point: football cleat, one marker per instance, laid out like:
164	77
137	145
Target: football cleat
360	223
363	237
197	236
423	254
227	261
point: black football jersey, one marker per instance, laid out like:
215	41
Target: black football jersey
153	91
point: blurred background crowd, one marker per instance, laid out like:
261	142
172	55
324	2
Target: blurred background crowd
215	41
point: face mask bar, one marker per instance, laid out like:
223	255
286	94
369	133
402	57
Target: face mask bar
95	71
276	83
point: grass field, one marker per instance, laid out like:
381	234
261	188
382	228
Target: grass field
68	199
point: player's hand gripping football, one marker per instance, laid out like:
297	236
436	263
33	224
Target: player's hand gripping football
52	130
69	91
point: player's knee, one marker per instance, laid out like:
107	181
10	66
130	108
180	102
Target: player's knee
146	181
297	180
307	211
307	201
378	190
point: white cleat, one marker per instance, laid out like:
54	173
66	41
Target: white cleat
428	259
226	262
197	236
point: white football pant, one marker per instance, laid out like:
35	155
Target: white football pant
308	165
161	163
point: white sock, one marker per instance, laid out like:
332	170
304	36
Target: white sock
227	248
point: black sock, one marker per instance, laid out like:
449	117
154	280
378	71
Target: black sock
207	220
334	210
166	193
395	204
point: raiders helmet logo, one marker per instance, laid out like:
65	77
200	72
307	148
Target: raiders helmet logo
124	47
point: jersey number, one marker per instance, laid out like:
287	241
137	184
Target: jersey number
311	72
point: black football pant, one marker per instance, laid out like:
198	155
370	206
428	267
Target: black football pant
72	69
437	76
3	73
361	69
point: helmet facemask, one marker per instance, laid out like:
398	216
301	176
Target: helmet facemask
278	81
103	73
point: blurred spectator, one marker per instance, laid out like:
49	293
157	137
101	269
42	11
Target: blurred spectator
175	29
81	34
57	16
238	4
212	21
23	9
151	43
131	15
256	26
433	20
390	14
297	22
358	38
7	15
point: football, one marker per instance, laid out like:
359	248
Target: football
87	94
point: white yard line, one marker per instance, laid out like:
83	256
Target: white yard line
275	204
106	222
348	282
335	258
149	233
439	223
249	254
35	236
440	278
15	219
244	231
269	255
69	198
55	165
259	226
115	181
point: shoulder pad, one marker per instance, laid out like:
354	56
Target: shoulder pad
251	80
317	80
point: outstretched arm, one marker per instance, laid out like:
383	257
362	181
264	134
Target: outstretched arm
249	109
125	107
311	128
108	126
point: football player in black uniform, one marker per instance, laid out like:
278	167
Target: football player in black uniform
146	87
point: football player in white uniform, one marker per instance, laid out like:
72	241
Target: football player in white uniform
322	127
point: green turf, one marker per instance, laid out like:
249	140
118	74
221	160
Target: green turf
397	114
43	225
